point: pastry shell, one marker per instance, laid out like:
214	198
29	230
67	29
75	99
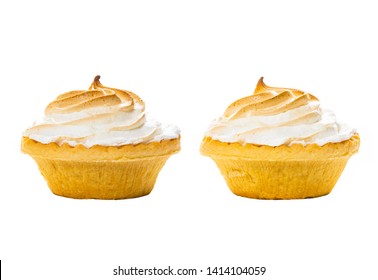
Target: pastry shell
101	172
282	172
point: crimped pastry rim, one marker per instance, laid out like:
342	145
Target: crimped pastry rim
165	147
217	149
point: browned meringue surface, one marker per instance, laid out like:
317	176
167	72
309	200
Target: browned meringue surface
275	116
99	116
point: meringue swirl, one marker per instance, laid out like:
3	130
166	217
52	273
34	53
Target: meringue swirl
276	116
99	116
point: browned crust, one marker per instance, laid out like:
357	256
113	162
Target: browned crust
100	153
215	148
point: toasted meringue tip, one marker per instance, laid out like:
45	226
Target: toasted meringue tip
97	78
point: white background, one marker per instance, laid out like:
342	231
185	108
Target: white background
188	60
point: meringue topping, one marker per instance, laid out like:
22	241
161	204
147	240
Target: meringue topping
99	116
275	116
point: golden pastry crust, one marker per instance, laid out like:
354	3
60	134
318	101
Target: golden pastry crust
100	153
283	172
101	172
215	148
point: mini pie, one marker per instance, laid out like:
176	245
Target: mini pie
99	143
279	143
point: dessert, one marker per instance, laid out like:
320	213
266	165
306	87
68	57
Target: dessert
279	143
99	143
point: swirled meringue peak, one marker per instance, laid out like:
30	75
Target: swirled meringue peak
276	116
99	116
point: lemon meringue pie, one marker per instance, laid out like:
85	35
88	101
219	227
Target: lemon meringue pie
279	143
99	143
